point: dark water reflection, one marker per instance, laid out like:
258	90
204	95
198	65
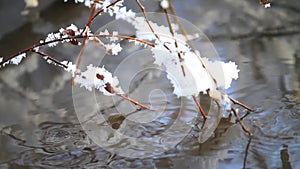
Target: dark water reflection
39	128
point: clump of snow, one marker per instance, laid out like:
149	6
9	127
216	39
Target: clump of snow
89	80
223	72
16	60
164	4
195	78
187	73
267	5
221	98
70	66
114	48
123	13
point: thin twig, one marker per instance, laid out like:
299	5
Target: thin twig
240	122
149	25
146	17
135	102
200	107
51	58
240	104
246	152
244	116
180	26
87	28
134	39
31	48
176	43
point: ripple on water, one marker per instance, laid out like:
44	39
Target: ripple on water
276	140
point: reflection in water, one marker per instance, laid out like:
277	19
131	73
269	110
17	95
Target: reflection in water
39	128
65	145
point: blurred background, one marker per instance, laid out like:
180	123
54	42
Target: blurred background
39	126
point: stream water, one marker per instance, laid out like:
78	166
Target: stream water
39	126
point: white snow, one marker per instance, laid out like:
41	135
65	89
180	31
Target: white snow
16	60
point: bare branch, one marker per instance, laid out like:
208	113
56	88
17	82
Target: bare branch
176	43
135	102
51	58
240	122
246	152
240	104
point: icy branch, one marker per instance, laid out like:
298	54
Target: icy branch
93	78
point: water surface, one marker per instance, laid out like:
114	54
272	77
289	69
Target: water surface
40	129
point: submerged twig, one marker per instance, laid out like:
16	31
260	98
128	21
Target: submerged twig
246	152
244	116
240	122
200	107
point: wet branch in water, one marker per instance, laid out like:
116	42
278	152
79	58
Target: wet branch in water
246	152
238	120
200	108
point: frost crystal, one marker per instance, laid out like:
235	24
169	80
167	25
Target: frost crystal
52	36
104	33
114	48
36	49
122	13
114	38
16	60
71	67
73	27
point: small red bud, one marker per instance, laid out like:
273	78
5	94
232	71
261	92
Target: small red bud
101	77
264	1
109	88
